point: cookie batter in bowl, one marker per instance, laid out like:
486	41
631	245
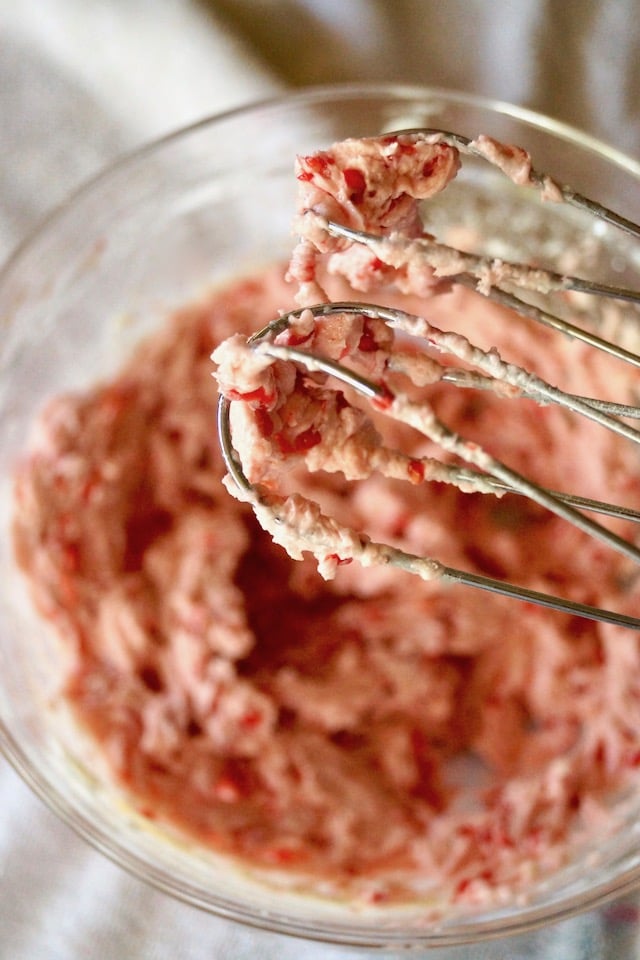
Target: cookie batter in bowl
108	285
321	727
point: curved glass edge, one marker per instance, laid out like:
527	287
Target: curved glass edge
317	94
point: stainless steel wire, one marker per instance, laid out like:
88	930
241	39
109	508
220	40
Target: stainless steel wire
571	507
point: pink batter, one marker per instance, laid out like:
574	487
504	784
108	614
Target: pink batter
376	735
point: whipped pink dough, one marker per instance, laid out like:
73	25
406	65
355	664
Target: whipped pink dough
376	735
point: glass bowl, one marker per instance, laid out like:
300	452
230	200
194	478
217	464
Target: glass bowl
148	235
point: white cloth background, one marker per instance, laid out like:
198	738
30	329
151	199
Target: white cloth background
82	81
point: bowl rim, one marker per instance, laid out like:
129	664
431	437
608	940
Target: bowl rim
353	934
314	94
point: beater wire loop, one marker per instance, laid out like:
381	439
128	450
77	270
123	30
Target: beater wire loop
482	471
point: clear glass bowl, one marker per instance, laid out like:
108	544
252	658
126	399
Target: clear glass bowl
150	234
